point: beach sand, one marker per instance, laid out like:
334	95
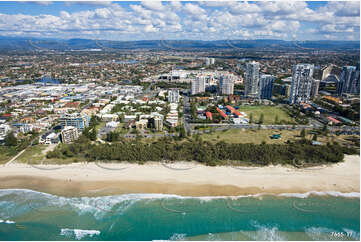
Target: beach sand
80	179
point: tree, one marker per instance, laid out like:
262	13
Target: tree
276	119
10	139
182	133
303	133
261	119
93	134
121	118
325	129
251	118
93	121
112	136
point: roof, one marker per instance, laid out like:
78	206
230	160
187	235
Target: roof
333	120
222	113
209	115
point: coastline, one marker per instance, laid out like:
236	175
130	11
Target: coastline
184	178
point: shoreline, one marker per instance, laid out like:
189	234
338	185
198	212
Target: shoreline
182	178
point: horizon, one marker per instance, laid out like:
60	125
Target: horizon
54	38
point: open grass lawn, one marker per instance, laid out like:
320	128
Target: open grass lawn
32	154
121	129
269	113
251	136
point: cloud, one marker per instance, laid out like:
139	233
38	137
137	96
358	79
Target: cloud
187	20
45	3
95	3
153	5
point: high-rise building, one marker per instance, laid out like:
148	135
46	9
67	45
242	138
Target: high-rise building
69	134
301	83
331	70
198	85
314	88
226	84
266	86
74	119
349	81
158	123
209	61
173	96
252	80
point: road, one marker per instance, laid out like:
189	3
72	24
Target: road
186	110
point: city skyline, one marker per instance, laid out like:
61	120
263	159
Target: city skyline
182	20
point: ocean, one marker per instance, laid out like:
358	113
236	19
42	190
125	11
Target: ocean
32	215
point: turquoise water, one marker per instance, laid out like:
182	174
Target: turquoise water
31	215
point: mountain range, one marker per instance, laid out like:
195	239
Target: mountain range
23	43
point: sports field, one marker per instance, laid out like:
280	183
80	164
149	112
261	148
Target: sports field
269	114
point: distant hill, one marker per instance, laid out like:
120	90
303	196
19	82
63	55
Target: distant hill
22	43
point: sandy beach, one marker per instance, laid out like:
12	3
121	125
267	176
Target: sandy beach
183	178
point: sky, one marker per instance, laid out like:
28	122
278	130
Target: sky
203	20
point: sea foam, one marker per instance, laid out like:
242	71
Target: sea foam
6	221
79	233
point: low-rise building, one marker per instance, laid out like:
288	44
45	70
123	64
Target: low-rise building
49	138
75	119
141	124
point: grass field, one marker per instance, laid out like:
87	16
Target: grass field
121	129
32	154
257	136
269	113
251	136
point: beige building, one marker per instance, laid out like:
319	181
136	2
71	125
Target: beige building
141	124
158	123
69	134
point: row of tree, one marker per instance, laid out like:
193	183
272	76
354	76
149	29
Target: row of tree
202	151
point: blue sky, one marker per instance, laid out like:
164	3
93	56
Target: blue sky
286	20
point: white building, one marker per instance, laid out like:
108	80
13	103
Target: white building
173	96
112	124
198	85
252	80
209	61
49	138
172	116
301	83
26	128
4	130
226	84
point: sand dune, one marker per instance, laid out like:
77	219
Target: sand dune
188	179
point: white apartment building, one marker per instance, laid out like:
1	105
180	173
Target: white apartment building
173	96
252	80
301	83
198	85
226	84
